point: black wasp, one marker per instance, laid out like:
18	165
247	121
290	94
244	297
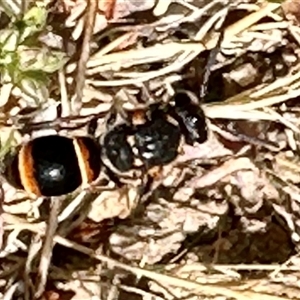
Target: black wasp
54	165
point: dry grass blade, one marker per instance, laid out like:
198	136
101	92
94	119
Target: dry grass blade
85	54
46	253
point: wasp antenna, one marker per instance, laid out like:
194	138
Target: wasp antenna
92	126
210	63
59	111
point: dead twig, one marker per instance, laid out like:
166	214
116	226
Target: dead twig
84	57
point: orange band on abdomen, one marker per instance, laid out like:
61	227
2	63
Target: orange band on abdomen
26	170
83	155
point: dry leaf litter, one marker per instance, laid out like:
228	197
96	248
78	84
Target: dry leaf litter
224	221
